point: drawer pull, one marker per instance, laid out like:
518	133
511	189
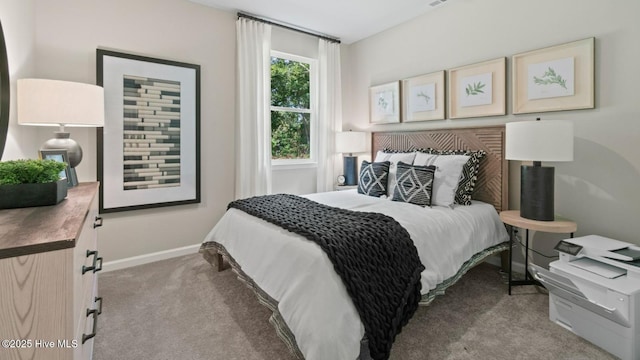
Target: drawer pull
97	222
96	259
96	299
95	314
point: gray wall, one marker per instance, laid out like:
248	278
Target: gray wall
598	189
67	33
18	24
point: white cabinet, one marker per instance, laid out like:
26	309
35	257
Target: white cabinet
49	261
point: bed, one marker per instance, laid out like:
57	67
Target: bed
312	312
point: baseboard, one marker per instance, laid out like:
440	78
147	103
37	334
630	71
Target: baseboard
149	258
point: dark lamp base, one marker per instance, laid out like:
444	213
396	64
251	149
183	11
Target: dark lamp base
536	192
350	170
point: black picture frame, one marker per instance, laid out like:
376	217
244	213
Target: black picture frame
5	92
59	155
149	147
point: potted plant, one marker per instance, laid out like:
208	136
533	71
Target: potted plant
26	183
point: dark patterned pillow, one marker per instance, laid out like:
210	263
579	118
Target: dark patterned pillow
373	178
469	174
414	184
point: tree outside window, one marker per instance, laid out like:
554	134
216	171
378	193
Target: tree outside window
291	108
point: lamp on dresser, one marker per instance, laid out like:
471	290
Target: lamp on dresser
61	103
537	141
349	142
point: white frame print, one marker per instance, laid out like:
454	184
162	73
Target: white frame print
423	97
149	148
555	78
384	103
477	90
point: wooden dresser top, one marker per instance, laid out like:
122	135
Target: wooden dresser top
33	230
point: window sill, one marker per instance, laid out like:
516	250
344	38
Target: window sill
293	165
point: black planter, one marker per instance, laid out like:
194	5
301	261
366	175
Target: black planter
28	195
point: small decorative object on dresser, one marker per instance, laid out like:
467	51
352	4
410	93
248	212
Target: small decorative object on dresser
25	183
59	155
48	278
341	179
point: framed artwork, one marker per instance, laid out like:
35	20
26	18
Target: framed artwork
59	156
384	103
556	78
149	148
423	97
478	90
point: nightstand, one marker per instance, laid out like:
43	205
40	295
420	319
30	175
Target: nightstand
345	187
514	220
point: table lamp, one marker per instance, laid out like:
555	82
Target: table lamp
351	142
60	103
537	141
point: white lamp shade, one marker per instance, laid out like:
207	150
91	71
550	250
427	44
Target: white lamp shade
543	140
351	142
54	103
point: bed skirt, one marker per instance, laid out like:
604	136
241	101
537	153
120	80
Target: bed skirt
209	251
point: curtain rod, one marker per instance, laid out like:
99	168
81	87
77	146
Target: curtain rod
288	27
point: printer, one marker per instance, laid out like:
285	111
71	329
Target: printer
594	292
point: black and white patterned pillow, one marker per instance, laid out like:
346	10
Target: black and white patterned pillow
373	178
469	175
414	184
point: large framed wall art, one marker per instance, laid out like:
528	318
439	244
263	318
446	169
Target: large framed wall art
149	148
478	89
556	78
423	97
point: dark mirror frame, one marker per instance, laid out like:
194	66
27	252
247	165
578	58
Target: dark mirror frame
4	92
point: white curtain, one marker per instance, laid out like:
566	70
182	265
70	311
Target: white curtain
329	114
253	128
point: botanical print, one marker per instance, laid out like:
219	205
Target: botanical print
151	136
384	102
551	79
476	90
422	98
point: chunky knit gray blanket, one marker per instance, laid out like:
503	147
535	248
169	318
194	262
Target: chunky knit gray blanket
371	252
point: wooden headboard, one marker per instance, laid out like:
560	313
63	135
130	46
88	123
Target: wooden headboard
493	177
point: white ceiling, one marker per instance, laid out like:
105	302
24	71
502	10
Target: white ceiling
349	20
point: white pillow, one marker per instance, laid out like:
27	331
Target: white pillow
448	172
394	158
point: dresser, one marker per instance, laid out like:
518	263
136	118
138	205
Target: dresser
49	305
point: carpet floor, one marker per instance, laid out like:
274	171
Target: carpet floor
181	308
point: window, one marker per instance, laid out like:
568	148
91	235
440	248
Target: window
293	117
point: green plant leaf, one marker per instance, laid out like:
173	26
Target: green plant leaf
30	171
475	89
550	77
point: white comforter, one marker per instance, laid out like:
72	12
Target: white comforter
311	297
